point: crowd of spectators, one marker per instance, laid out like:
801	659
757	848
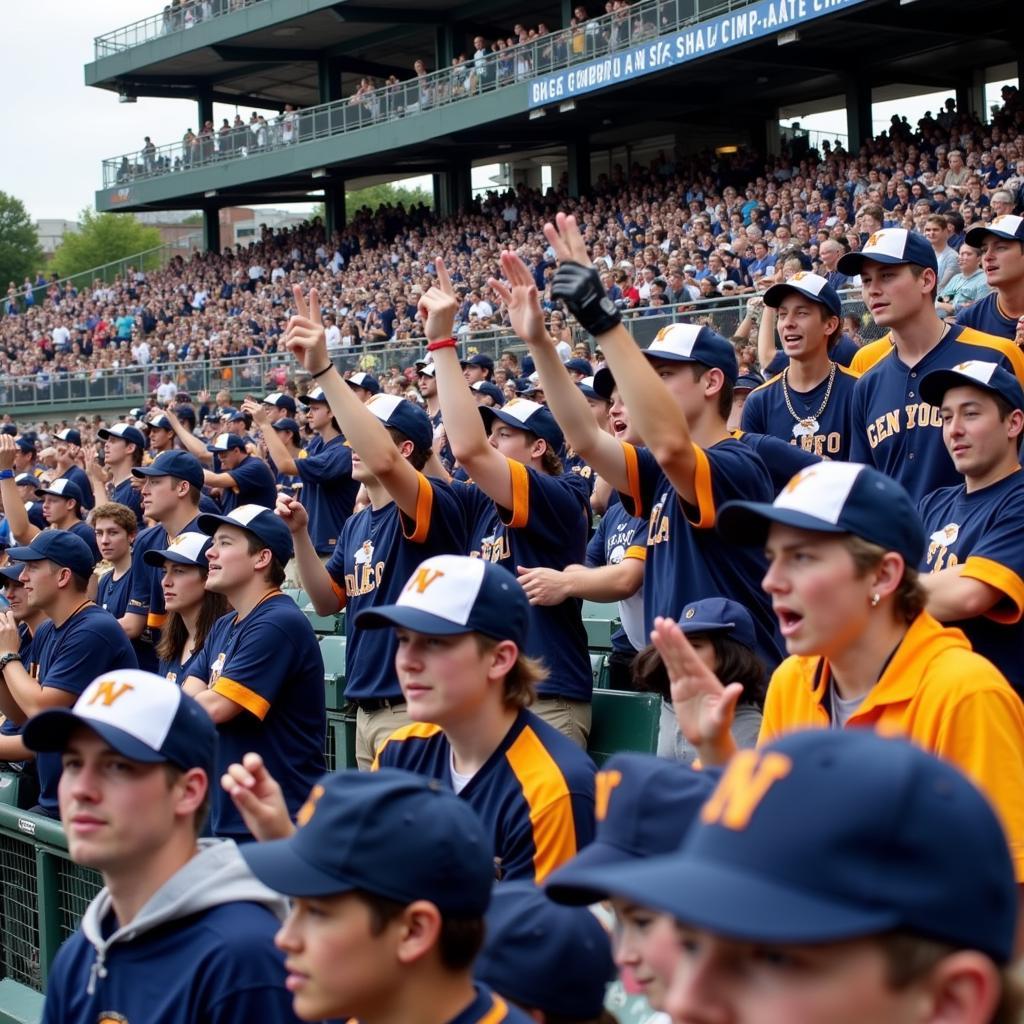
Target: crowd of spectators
684	229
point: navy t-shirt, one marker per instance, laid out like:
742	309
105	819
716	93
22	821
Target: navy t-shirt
985	315
618	536
328	491
254	485
112	596
131	496
783	461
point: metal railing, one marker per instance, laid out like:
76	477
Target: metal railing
555	51
177	16
132	385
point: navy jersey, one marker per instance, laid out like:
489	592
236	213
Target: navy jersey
215	967
573	463
177	670
377	552
147	594
825	434
535	793
489	1008
985	315
78	477
35	514
254	485
783	461
981	532
130	496
687	560
112	596
842	352
618	536
268	663
547	526
69	657
899	433
328	491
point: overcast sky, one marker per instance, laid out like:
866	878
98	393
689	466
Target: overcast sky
58	132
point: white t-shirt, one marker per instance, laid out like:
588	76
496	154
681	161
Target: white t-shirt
459	781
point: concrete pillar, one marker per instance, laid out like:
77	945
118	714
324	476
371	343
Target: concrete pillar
859	127
566	13
578	158
328	76
461	187
205	104
211	228
444	46
334	206
440	198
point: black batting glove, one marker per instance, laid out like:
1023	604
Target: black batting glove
580	288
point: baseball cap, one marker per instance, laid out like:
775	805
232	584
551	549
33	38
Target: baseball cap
10	429
390	833
366	381
406	418
12	572
811	286
425	369
286	423
485	387
650	805
123	432
850	838
978	373
187	412
137	413
748	381
65	549
160	422
893	246
604	383
237	417
690	343
1008	225
257	520
719	615
578	365
176	463
227	412
315	395
544	956
449	595
185	549
280	401
478	359
524	414
225	443
62	488
586	385
26	480
69	435
833	497
25	444
141	715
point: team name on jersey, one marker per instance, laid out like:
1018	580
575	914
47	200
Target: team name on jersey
919	414
658	527
939	555
618	541
822	445
367	574
494	548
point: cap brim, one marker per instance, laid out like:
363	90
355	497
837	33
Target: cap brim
579	882
49	731
696	626
938	382
11	572
208	523
746	523
25	554
415	619
149	471
279	867
157	558
740	905
976	236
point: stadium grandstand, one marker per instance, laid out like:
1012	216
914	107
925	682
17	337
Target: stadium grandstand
657	123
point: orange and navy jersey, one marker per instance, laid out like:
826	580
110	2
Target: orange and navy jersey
376	554
489	1008
535	793
936	692
869	354
981	533
988	315
826	435
547	526
687	559
896	431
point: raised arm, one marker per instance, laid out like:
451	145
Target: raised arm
276	448
21	529
189	441
766	338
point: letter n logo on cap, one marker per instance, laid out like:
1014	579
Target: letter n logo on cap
604	783
110	691
744	785
423	578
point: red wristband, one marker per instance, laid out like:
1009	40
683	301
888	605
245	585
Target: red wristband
433	346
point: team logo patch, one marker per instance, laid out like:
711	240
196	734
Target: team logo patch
110	1017
690	612
364	555
947	535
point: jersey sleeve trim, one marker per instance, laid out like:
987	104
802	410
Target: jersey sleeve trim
414	730
424	507
339	592
705	507
243	696
636	551
520	480
1008	349
1005	580
153	620
633	479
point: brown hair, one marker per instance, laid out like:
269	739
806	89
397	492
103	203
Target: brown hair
909	596
173	633
724	395
173	773
418	457
918	270
521	682
275	571
120	515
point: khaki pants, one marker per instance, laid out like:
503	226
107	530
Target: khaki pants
569	717
373	728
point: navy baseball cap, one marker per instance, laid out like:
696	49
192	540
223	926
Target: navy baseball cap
24	444
426	369
187	412
138	413
123	432
544	956
225	443
65	549
648	807
10	429
523	414
586	385
719	615
12	572
811	286
228	412
478	359
69	435
258	520
144	717
62	488
281	401
851	837
604	383
748	381
159	422
485	387
975	373
366	381
578	365
893	246
389	833
185	549
449	595
408	419
287	424
314	395
1009	225
26	480
691	343
180	464
833	497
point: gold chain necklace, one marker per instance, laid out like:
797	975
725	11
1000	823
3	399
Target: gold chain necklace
807	426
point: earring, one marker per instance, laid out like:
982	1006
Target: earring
875	598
